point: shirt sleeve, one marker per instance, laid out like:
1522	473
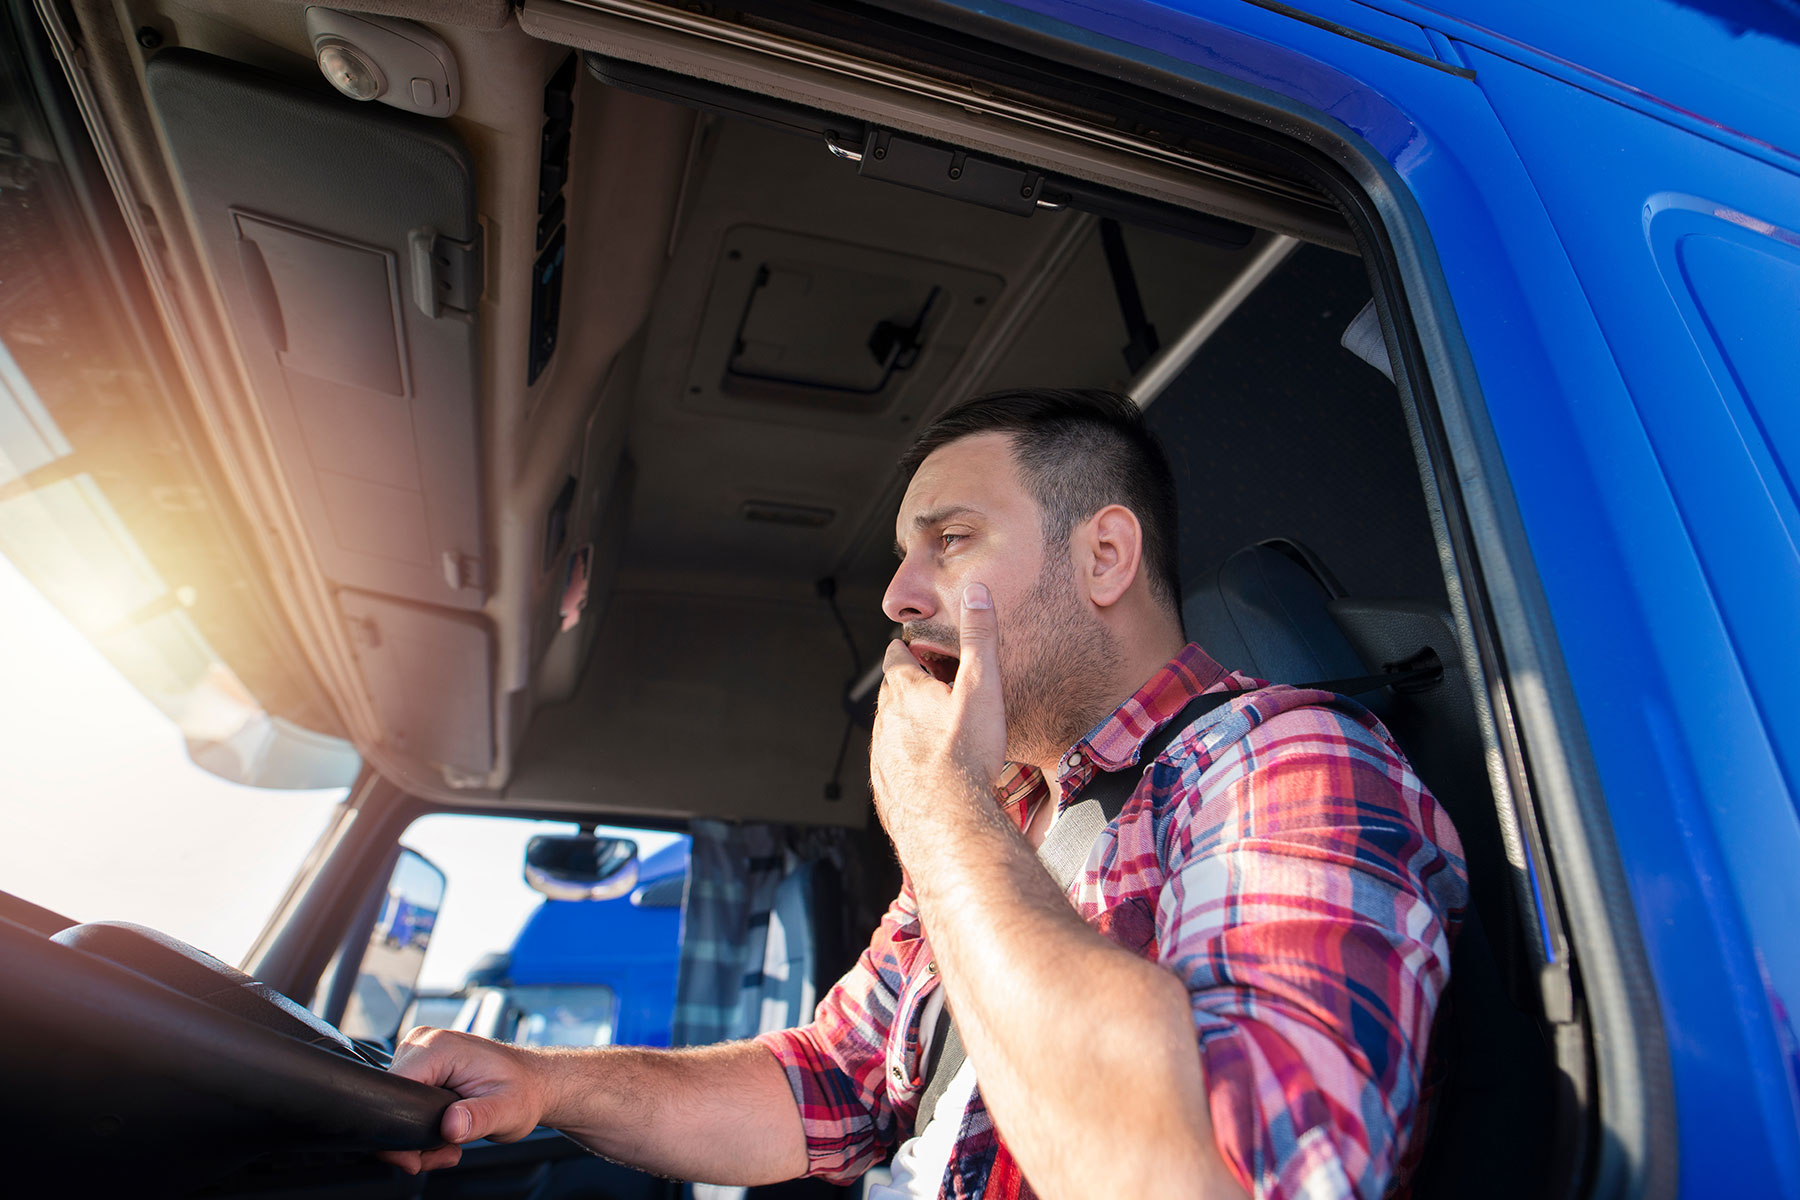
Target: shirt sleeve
1313	889
836	1066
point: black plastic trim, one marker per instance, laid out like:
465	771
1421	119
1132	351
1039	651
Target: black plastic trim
1357	35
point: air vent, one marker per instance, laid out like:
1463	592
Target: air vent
553	172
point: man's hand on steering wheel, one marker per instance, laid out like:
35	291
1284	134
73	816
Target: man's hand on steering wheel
502	1090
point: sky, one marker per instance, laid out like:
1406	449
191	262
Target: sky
104	817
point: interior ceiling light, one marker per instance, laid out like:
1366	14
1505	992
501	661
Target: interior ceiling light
349	72
401	63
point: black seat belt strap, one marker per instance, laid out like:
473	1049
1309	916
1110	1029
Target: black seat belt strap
1369	683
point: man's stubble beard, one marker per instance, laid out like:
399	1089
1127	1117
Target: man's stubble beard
1056	679
1056	663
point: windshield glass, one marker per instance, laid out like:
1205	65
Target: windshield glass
168	757
112	502
106	817
507	962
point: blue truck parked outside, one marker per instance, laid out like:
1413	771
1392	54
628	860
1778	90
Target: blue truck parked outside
582	972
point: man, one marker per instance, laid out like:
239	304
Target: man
1240	995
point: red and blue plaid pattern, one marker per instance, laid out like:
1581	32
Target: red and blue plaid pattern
1281	858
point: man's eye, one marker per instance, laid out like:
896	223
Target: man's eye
946	540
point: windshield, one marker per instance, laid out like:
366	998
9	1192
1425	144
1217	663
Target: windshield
105	816
160	735
110	504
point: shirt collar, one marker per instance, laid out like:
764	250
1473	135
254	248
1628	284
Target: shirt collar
1017	791
1113	744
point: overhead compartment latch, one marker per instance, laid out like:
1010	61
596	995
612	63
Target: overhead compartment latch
446	273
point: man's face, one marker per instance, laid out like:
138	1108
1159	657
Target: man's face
968	518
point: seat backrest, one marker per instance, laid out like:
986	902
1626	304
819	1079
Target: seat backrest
1264	613
1274	611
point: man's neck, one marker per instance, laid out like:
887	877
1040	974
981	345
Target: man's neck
1130	675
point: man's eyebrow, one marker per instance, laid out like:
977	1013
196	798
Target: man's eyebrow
937	516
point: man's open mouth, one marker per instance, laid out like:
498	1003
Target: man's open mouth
942	666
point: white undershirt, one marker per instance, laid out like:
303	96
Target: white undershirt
920	1164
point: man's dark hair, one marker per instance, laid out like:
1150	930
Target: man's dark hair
1078	451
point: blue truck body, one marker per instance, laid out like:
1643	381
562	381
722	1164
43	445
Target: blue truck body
631	944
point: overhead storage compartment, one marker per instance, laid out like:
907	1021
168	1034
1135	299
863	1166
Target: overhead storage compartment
430	675
345	244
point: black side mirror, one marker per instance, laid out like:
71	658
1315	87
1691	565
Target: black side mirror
581	866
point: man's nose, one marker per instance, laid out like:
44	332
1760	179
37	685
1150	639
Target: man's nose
908	597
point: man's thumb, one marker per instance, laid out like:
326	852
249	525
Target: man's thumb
469	1119
980	637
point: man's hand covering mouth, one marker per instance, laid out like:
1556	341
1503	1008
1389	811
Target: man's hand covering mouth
937	744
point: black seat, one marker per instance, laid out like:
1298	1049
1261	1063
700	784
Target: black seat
1274	611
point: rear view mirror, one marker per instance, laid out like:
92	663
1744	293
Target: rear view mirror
581	866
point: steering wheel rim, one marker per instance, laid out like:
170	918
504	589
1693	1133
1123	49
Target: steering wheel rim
139	1077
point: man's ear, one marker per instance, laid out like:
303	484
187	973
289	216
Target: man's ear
1115	544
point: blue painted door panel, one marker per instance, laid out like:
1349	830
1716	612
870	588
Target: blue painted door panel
1687	252
1619	282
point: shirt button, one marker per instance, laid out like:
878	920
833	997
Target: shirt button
931	967
1074	759
898	1074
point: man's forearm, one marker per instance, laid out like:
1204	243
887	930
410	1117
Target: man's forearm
1085	1052
714	1114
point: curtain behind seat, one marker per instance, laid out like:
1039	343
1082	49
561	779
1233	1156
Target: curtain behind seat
734	872
749	954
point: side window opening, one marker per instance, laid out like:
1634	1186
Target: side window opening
1363	518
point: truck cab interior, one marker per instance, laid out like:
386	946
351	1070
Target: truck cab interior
531	428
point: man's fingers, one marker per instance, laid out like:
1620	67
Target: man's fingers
425	1056
437	1160
979	666
415	1161
464	1121
406	1160
458	1125
499	1099
898	657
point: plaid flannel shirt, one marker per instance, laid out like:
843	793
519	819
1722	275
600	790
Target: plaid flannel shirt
1281	858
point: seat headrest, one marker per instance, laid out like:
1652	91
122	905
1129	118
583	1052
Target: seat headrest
1264	613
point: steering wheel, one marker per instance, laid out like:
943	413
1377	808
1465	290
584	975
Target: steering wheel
134	1060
